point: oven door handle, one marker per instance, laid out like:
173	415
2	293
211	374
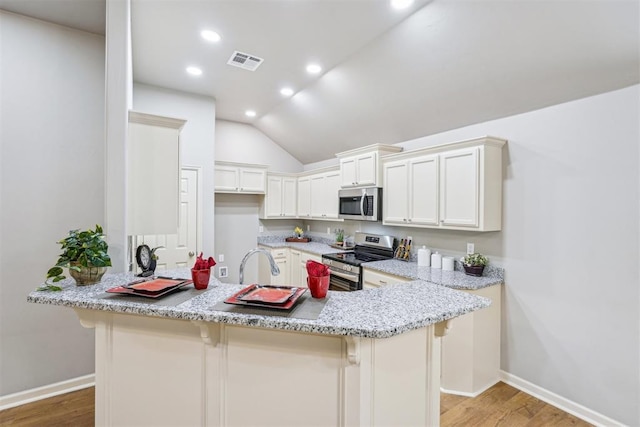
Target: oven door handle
346	276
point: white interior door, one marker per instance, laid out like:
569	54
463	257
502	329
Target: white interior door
179	249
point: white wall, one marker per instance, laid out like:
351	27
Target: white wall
239	142
52	181
569	245
197	140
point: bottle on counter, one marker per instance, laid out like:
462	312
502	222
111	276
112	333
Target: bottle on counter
424	257
436	260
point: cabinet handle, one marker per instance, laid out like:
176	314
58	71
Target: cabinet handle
409	220
382	282
404	219
191	253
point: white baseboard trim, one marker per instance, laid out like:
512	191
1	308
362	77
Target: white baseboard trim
468	394
50	390
558	401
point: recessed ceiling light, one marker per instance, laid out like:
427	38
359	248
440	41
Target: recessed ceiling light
313	68
286	91
210	36
401	4
194	71
250	113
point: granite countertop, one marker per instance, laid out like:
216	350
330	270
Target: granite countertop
373	313
450	279
315	246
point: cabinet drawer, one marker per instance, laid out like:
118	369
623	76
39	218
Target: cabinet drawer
375	278
279	253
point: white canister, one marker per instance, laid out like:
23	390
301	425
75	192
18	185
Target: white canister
447	263
436	260
424	257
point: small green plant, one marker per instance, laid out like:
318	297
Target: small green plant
80	249
474	260
339	235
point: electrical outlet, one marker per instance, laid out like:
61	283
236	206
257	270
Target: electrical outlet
223	271
221	258
471	248
261	229
328	230
308	227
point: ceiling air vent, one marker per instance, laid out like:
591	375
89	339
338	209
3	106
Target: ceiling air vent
245	61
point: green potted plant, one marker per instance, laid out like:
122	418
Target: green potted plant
339	236
474	264
84	253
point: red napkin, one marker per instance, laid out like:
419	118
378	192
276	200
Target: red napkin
316	269
203	264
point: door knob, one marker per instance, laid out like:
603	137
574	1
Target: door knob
191	253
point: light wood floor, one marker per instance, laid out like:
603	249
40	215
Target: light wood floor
501	405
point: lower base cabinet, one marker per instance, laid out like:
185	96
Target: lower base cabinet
471	347
292	264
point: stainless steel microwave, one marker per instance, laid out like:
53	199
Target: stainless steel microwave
364	204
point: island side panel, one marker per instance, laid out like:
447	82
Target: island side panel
157	371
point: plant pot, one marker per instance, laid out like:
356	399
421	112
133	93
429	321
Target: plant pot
474	270
87	275
200	278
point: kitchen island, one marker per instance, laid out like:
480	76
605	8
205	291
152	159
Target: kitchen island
370	357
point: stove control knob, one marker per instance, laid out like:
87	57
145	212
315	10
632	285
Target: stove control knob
348	268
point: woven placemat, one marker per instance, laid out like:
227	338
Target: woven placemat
306	308
171	299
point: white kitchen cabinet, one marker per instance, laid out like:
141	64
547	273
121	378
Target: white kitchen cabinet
452	186
281	197
361	167
153	174
281	257
295	274
233	177
410	194
324	189
374	279
304	197
471	348
302	266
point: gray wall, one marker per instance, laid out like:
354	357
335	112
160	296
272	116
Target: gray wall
52	175
569	245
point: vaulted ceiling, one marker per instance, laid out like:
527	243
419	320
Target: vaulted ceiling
388	75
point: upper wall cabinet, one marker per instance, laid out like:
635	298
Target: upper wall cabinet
361	167
280	200
153	174
240	178
453	186
318	195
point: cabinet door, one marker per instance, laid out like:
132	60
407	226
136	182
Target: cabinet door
304	257
423	191
274	196
281	279
366	169
252	180
318	196
459	188
226	178
289	197
348	174
296	274
395	193
304	197
332	186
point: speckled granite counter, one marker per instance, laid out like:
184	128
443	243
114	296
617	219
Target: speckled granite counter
318	247
450	279
374	313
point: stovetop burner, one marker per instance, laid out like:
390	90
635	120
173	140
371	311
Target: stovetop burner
354	258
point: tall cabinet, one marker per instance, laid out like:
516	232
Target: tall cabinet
153	174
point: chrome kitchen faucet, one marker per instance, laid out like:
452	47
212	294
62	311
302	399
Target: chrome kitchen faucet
274	267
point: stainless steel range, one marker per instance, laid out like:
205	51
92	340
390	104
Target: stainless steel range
346	269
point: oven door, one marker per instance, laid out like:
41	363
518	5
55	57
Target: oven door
343	281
